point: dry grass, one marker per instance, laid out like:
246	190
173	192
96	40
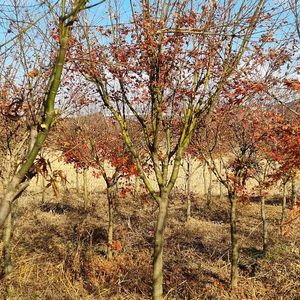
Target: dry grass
59	251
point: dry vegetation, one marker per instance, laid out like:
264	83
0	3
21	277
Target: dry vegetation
59	251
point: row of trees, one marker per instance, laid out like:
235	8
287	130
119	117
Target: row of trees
196	76
241	144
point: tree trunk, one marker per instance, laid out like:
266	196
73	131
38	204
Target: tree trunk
85	190
9	222
8	268
116	204
264	221
220	183
6	236
32	137
77	182
204	178
15	218
188	190
209	188
110	198
283	211
157	292
221	192
294	195
136	188
43	190
234	241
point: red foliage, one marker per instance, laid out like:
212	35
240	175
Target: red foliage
116	245
96	142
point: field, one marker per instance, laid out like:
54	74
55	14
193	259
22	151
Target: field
59	250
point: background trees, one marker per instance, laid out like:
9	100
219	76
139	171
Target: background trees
167	70
94	141
242	133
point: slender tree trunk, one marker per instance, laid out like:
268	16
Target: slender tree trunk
188	190
85	190
264	221
136	188
294	195
157	293
110	198
77	182
283	211
220	183
15	218
43	190
7	230
234	241
6	236
32	137
209	188
220	166
116	203
221	193
204	179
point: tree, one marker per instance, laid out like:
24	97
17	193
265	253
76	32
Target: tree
27	105
284	151
240	131
95	142
168	68
188	158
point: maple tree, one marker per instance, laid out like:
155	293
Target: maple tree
264	165
20	103
193	150
241	132
29	86
284	151
285	146
168	69
261	174
188	160
95	142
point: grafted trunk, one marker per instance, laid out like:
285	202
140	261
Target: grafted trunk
157	293
234	241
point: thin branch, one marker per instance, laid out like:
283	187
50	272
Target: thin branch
282	103
28	27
